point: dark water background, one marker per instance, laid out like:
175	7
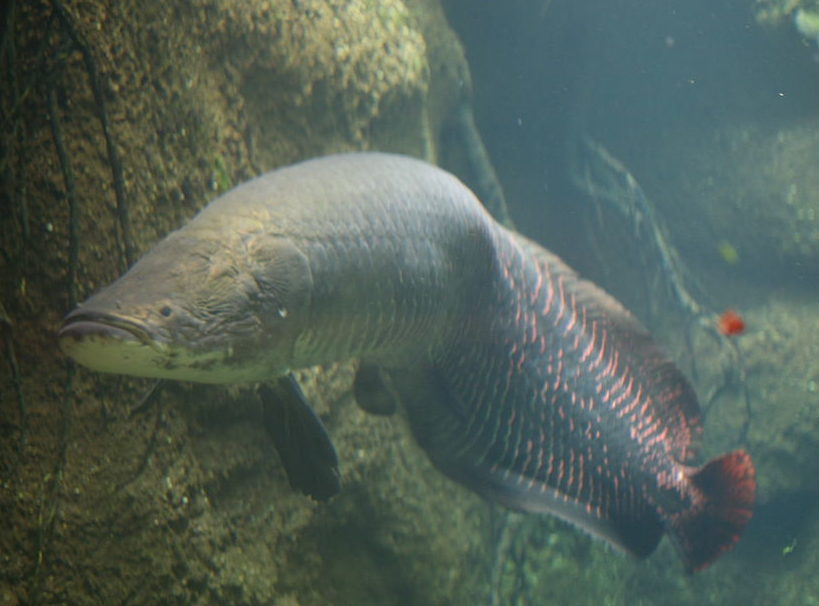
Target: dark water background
634	75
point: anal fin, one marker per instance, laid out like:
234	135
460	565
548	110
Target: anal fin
304	446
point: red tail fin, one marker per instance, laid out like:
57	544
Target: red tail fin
727	487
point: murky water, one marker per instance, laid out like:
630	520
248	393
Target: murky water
665	150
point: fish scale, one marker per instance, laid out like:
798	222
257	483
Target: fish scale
595	387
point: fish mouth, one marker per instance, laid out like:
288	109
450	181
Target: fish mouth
109	343
105	342
82	325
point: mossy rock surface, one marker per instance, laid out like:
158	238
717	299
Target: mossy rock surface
186	502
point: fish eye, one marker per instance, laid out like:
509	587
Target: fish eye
165	311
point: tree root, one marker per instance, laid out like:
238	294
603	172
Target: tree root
8	339
608	181
102	113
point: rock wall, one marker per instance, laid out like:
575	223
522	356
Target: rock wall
121	119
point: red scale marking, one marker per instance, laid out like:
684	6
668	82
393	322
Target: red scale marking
606	395
651	429
581	478
638	397
562	302
533	334
573	318
659	437
611	367
550	298
551	469
536	291
646	405
641	439
592	340
601	354
624	395
628	408
529	448
620	383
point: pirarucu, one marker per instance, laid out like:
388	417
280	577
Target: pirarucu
522	381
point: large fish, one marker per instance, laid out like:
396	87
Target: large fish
522	381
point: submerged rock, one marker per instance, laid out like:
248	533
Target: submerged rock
183	500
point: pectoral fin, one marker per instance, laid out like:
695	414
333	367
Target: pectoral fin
304	446
373	390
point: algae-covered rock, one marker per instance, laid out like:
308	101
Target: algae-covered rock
760	191
776	11
120	120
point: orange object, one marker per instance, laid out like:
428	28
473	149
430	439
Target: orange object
731	323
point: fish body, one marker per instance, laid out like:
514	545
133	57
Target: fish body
522	381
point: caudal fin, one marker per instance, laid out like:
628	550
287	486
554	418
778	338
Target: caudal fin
713	525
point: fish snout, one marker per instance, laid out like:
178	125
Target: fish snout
105	342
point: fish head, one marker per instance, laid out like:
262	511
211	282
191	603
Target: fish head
198	307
